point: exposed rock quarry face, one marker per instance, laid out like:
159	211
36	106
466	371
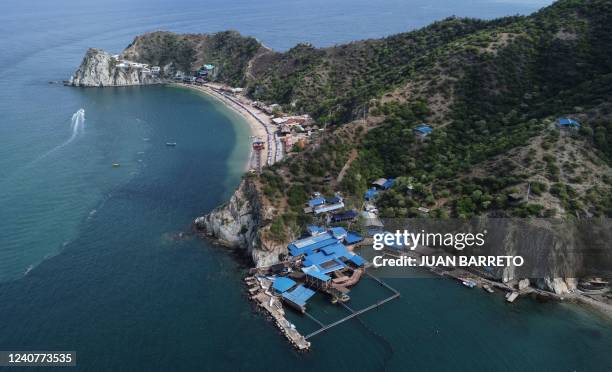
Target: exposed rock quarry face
237	225
554	251
99	69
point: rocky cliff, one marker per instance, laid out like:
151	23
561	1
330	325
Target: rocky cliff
240	224
100	69
230	53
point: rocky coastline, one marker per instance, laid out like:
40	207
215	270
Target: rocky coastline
238	224
101	69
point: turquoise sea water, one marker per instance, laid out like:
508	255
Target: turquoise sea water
105	276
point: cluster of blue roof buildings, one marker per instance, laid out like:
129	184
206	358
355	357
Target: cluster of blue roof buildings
319	204
330	242
322	253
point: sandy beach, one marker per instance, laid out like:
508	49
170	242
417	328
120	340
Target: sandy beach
258	121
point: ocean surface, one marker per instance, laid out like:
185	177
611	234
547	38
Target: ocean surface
91	258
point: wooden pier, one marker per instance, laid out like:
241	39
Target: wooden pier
259	288
272	305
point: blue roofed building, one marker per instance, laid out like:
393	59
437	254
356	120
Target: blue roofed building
345	216
422	131
316	278
336	250
338	232
326	252
333	204
388	183
331	258
313	272
342	253
370	194
316	202
353	238
333	200
298	297
314	243
311	244
324	263
282	284
383	183
300	243
315	230
379	183
567	123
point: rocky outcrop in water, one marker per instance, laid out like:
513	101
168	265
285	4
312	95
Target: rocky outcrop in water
101	69
237	224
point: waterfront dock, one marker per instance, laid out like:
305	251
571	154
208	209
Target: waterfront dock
261	291
319	263
272	305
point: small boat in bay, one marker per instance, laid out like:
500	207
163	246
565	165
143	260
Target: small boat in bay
116	165
172	144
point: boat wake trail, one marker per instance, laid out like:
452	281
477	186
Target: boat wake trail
77	124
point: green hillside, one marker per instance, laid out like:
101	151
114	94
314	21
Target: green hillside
491	90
